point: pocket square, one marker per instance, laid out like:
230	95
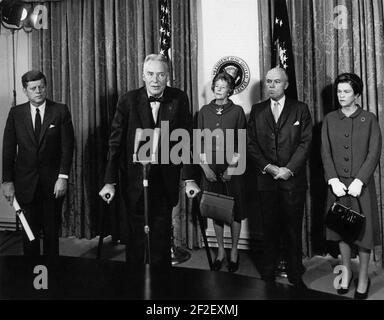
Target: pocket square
296	123
51	126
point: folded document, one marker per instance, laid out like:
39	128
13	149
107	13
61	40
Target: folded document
24	222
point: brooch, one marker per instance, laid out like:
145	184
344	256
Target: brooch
219	111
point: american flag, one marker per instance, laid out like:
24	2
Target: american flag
282	46
165	27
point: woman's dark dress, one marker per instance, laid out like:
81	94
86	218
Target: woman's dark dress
230	117
351	148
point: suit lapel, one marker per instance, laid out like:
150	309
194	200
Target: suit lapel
268	115
167	108
285	113
28	122
48	119
144	110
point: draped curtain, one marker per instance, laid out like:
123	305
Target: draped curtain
184	60
330	37
93	52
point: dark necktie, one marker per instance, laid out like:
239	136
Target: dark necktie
154	99
37	124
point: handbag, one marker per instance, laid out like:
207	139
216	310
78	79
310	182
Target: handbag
217	206
345	221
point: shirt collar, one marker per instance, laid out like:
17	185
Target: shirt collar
229	102
40	107
149	95
281	101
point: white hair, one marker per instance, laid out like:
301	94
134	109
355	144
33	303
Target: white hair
156	57
281	70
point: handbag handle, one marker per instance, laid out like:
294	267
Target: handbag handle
226	187
358	201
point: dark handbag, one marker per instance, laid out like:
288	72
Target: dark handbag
345	221
217	206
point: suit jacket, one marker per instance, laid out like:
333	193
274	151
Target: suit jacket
285	144
351	146
26	161
133	111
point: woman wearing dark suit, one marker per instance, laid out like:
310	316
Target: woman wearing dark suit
351	147
223	114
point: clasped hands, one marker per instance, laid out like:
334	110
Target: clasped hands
278	172
211	175
340	189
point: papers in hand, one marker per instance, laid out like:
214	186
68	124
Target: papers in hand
24	222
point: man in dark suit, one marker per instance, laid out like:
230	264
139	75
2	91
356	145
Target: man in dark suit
146	108
37	155
279	139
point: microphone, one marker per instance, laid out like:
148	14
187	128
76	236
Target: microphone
107	196
191	192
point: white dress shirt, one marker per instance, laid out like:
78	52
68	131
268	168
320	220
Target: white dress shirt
155	110
155	106
281	103
33	112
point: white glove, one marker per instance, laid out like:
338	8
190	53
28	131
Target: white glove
355	188
338	188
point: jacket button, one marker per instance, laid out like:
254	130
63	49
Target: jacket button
346	159
217	124
347	135
346	170
346	147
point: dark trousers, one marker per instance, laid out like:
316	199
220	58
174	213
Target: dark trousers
42	214
282	212
160	226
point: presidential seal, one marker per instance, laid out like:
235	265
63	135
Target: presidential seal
237	68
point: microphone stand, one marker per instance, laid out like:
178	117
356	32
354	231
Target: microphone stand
145	169
146	164
147	248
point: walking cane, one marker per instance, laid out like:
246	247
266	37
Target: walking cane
101	230
193	209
